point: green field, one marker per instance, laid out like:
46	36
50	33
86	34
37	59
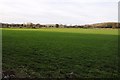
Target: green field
61	53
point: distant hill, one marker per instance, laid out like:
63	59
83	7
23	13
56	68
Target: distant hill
104	25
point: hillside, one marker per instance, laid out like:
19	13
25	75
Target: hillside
105	25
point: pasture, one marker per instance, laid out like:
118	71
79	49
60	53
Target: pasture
61	52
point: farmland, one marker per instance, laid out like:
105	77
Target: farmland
61	52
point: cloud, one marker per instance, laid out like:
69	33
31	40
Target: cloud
58	11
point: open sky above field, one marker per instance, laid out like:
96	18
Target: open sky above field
58	11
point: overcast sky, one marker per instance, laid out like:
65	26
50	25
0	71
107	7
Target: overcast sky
58	11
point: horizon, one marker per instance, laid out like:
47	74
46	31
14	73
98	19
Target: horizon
61	24
70	12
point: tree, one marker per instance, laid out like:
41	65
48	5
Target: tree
57	25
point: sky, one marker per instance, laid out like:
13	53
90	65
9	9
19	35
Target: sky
58	11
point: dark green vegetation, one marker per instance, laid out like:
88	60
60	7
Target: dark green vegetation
61	53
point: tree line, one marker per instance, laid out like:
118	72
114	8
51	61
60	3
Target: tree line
31	25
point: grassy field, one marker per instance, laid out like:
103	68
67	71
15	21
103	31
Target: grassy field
61	53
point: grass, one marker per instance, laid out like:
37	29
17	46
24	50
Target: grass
61	53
